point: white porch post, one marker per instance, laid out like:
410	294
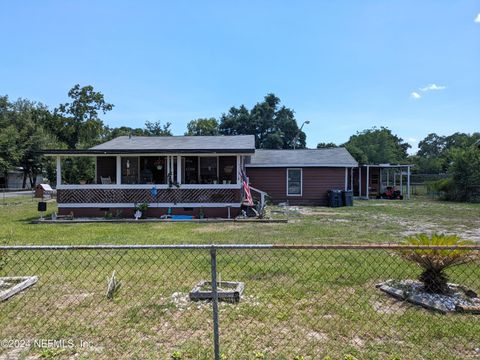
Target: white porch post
367	181
118	174
346	179
179	169
408	182
238	169
168	167
59	171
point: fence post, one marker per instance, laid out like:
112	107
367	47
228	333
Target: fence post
216	340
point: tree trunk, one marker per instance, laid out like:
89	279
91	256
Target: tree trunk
24	183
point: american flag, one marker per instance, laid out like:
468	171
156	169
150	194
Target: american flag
246	189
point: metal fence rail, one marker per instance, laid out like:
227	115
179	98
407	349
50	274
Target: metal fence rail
299	302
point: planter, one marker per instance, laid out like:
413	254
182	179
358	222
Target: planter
230	291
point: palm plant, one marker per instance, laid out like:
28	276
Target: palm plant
434	262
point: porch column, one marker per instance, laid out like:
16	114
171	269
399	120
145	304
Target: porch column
179	169
119	170
346	179
168	167
59	171
238	169
408	182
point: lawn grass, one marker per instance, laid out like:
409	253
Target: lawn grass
366	222
304	304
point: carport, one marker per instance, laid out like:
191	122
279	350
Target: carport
370	181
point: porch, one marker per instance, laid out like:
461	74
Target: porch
163	181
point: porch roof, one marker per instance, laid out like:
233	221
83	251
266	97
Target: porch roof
168	144
336	157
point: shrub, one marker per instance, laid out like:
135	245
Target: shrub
465	173
435	262
143	207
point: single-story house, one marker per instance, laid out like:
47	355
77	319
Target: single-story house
193	175
301	177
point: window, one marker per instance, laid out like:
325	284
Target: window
294	182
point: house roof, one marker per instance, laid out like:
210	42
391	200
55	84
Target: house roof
170	144
336	157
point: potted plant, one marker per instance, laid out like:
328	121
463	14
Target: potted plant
142	208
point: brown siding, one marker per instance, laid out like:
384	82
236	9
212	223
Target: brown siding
106	166
316	182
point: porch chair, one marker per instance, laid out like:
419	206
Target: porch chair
106	180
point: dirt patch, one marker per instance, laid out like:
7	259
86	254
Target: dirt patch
304	210
70	300
389	306
413	227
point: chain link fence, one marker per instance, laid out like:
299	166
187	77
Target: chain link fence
298	302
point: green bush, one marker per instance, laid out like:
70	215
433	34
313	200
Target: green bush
465	172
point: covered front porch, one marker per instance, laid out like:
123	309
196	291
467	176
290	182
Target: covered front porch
192	184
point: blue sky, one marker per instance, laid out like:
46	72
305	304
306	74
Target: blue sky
413	66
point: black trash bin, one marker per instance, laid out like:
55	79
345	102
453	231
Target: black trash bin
335	198
347	197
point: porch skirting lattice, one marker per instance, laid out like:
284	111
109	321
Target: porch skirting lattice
109	196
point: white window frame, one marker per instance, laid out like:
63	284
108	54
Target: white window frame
301	182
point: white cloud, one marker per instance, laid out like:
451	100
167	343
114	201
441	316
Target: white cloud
433	87
477	19
412	140
415	95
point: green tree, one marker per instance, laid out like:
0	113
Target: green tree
23	137
111	133
431	146
465	173
157	129
81	125
376	146
435	153
274	126
329	145
202	127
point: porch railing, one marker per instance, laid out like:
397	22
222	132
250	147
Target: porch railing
145	195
